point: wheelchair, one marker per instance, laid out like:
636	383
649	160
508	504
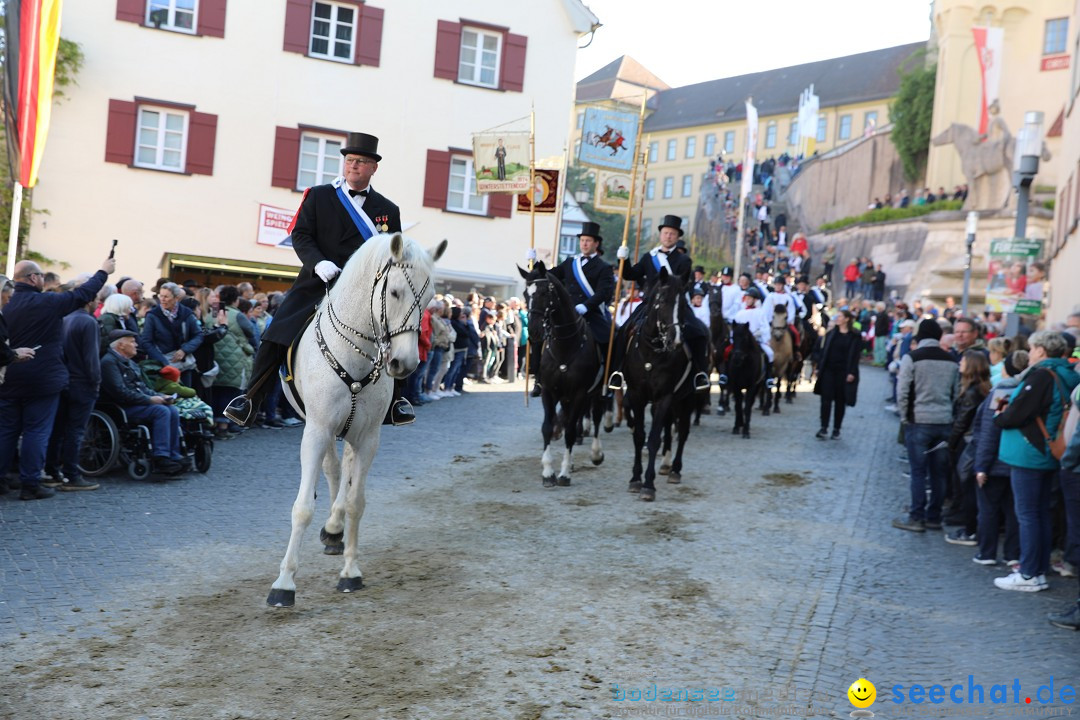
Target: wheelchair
112	440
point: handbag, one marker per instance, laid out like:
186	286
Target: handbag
965	464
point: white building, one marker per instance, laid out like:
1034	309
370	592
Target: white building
196	125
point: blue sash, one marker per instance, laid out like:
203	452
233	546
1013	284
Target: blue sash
365	229
579	275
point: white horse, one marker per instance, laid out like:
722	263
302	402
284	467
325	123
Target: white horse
365	333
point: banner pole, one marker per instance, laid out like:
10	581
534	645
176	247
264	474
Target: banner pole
748	167
13	232
641	208
626	230
532	222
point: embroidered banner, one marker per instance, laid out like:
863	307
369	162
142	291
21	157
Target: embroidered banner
546	193
501	162
608	139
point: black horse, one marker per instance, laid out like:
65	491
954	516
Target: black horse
746	375
569	373
658	370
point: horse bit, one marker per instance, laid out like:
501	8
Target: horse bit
381	343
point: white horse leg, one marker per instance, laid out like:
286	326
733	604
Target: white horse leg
356	464
331	533
597	451
665	463
567	465
547	459
313	448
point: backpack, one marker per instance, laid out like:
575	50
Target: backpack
1057	445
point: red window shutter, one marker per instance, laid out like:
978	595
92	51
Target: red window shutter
437	178
513	62
500	204
120	133
131	11
212	18
286	157
369	43
297	26
202	137
447	50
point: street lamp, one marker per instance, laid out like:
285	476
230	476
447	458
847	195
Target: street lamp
1029	141
972	224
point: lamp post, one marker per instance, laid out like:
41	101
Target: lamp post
972	224
1029	141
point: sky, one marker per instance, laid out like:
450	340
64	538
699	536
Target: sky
689	41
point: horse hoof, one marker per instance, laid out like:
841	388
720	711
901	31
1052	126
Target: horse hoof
776	410
635	486
281	598
648	494
348	585
736	430
664	469
597	461
332	542
549	481
334	549
789	401
674	478
746	435
562	481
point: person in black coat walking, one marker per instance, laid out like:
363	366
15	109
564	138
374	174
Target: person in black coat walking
838	373
333	221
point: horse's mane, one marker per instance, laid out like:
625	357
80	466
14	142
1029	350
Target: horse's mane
374	253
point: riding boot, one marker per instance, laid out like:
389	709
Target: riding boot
770	377
400	411
242	409
700	360
615	380
535	351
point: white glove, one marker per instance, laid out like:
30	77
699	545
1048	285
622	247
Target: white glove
623	252
530	254
581	309
326	270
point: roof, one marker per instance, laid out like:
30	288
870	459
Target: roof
838	81
620	78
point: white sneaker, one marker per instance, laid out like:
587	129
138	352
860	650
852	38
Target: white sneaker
1016	581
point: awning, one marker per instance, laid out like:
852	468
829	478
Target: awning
201	263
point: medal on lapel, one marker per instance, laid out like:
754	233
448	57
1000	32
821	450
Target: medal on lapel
381	223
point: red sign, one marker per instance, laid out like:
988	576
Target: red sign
1058	62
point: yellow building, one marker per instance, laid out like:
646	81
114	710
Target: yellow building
688	126
1034	73
1063	250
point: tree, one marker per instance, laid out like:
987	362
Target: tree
912	113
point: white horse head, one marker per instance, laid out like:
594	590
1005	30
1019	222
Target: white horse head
398	272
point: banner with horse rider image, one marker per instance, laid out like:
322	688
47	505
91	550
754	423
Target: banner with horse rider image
1016	276
608	138
612	191
501	162
545	193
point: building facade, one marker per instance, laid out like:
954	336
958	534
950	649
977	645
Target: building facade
1064	249
197	124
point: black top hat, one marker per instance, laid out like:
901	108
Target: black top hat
700	269
592	230
362	144
672	221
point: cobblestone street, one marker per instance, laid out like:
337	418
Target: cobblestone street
771	568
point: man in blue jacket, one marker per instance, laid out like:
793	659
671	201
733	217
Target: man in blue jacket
31	391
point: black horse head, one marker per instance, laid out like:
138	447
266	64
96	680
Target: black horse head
667	312
550	306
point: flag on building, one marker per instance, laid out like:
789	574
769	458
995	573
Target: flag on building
32	36
809	105
608	139
988	46
751	149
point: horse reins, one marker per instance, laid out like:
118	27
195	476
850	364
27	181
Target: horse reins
381	342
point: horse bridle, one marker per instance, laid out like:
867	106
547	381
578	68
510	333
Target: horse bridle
552	328
380	341
661	343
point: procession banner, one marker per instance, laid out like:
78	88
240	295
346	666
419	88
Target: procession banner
274	226
545	193
612	191
608	138
1008	290
988	45
751	149
501	161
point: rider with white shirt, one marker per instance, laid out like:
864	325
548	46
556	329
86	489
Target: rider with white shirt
730	294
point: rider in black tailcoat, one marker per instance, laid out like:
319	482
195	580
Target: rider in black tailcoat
645	272
324	235
590	282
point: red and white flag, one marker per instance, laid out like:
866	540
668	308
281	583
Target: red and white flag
988	46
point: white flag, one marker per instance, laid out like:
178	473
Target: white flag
751	148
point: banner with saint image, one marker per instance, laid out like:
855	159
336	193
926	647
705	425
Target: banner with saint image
501	161
608	139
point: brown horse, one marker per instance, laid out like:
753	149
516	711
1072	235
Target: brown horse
783	356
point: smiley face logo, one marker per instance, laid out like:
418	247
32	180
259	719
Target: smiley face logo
862	693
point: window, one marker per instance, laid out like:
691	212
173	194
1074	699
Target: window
691	147
671	149
729	141
646	227
462	195
650	190
479	60
845	127
687	185
1057	32
333	28
822	128
870	121
580	120
686	224
669	186
577	147
161	139
177	15
770	135
654	151
793	133
710	144
320	160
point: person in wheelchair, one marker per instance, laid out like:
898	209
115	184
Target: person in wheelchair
122	383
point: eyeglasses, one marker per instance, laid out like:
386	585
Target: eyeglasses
358	163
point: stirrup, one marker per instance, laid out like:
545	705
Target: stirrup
701	382
240	410
616	381
401	413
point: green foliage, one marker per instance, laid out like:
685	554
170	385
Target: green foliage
1049	204
911	114
888	214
